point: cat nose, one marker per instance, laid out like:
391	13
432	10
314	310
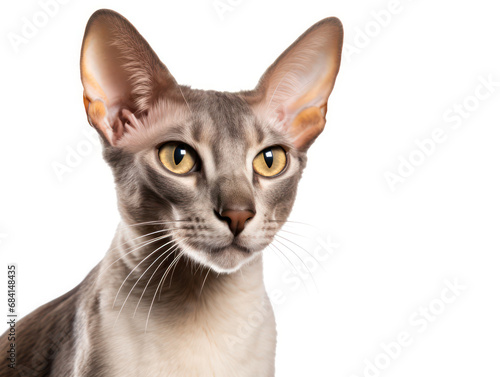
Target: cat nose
236	219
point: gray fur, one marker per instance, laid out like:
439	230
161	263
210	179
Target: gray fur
70	336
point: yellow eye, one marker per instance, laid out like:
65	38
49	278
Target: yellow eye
270	162
178	157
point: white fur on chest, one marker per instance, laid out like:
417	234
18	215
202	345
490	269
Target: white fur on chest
231	349
234	335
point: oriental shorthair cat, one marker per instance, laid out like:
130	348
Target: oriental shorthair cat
204	181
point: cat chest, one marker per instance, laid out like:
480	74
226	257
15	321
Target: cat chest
224	348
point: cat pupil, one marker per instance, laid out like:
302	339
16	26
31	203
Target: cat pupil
179	154
268	157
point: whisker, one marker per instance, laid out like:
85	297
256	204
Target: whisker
164	278
156	292
144	235
303	263
198	267
141	245
153	274
204	280
131	272
290	262
170	282
293	222
175	263
154	222
304	249
295	234
140	277
189	107
277	255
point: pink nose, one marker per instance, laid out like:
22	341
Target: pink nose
236	219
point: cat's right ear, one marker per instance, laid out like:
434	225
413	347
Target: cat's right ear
121	75
296	87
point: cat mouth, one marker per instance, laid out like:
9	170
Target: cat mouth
227	257
232	245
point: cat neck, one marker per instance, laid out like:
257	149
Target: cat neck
140	279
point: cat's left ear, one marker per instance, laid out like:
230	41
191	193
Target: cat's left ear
121	74
296	87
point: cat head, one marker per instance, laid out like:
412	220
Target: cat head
217	170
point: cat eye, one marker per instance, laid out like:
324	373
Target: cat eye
270	162
178	157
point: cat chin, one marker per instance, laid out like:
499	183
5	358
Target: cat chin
224	261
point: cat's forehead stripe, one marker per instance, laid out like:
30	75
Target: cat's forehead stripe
222	121
225	123
196	130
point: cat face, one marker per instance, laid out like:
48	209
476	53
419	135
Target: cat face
218	170
215	175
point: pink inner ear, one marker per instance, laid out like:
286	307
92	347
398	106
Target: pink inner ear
307	126
280	113
120	73
295	89
98	118
112	127
124	122
130	119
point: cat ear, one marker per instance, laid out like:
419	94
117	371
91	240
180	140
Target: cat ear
121	75
296	87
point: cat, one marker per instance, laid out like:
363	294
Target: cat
204	180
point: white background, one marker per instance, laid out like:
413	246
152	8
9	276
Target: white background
393	250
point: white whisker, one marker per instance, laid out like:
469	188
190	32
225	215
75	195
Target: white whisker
204	280
154	272
131	272
302	248
290	262
141	245
303	263
156	292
